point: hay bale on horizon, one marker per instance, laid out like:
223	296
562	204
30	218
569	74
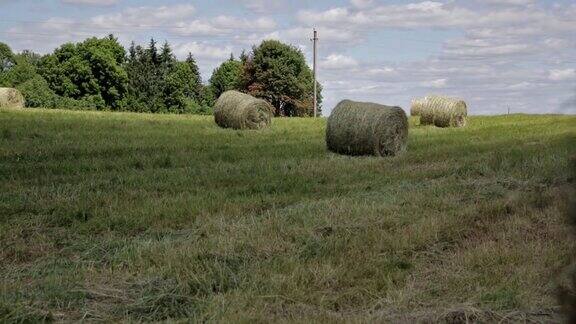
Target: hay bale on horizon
416	106
238	110
364	128
426	112
442	111
11	98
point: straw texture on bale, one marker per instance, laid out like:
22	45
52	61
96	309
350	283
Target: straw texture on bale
363	128
442	111
416	107
11	98
241	111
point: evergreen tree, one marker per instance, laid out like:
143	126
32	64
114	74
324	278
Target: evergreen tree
243	57
196	79
153	52
166	86
166	58
132	51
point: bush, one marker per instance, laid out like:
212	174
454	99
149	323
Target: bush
193	107
75	104
37	93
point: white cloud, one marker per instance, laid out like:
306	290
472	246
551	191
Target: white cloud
507	2
362	3
146	17
222	25
438	83
263	6
489	50
203	51
338	62
385	71
328	16
326	35
92	2
427	13
562	75
521	86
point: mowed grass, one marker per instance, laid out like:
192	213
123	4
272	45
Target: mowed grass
117	216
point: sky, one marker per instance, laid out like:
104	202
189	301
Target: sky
498	55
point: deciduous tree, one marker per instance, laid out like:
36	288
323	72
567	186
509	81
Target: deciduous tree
278	73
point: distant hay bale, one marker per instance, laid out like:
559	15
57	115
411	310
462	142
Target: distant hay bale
362	128
416	107
241	111
426	112
11	98
442	111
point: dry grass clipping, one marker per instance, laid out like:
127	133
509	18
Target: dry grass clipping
11	98
238	110
361	128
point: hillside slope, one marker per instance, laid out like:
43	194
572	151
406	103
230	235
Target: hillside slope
110	216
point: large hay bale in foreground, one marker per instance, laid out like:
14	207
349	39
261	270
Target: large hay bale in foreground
363	128
11	98
241	111
443	111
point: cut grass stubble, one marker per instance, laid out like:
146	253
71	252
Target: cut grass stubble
114	216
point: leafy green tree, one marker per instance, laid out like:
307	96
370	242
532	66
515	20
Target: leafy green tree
178	88
278	73
207	97
7	59
228	76
21	73
31	57
37	93
91	70
18	73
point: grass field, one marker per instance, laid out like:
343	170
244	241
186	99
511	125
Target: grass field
117	216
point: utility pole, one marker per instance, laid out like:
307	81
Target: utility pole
315	40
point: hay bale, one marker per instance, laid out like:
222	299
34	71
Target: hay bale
11	98
416	107
362	128
426	112
241	111
442	111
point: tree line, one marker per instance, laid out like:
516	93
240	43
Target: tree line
100	74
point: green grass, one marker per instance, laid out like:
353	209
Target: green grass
117	216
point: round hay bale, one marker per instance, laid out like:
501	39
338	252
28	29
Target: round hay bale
443	111
363	128
426	112
416	107
11	98
241	111
448	112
